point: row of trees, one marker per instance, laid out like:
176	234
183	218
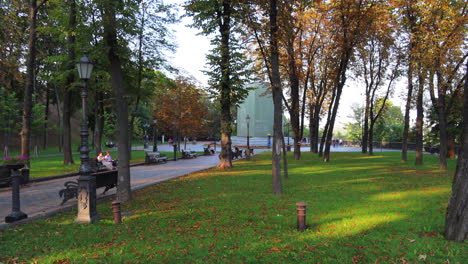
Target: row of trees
40	42
306	49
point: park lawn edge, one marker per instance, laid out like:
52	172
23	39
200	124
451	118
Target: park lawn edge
361	209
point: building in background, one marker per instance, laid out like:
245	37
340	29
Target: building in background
259	106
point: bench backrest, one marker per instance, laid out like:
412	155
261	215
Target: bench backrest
156	154
105	177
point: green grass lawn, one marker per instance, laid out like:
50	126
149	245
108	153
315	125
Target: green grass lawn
44	166
361	209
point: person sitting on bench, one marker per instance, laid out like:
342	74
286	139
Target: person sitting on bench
108	162
99	160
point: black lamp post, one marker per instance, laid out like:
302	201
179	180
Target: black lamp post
146	126
248	137
86	183
155	135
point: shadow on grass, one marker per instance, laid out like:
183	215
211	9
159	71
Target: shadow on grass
354	215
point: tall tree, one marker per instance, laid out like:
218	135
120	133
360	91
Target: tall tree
347	19
277	92
444	37
121	104
410	19
34	6
228	66
374	65
419	117
68	94
181	110
456	220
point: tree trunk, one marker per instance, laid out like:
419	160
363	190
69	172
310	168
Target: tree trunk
311	128
115	69
46	118
404	146
419	122
294	110
326	154
60	118
339	83
456	220
285	160
225	157
68	94
28	89
365	128
451	153
277	99
371	137
99	122
442	113
324	135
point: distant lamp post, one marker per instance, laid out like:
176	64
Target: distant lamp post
248	137
146	126
155	135
86	183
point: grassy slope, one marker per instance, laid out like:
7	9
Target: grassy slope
360	210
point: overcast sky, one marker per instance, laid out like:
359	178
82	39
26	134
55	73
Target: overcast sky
191	58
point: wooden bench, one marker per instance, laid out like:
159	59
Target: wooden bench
107	178
188	154
154	157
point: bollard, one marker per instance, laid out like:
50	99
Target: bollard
301	216
16	213
116	210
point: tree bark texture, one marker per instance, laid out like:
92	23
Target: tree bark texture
294	109
285	160
46	118
404	146
442	114
277	99
68	93
419	121
456	220
365	128
115	69
225	157
28	89
99	122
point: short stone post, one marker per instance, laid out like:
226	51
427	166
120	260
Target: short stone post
16	213
116	211
301	216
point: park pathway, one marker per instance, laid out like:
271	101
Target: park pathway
40	199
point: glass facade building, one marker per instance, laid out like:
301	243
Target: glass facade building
259	106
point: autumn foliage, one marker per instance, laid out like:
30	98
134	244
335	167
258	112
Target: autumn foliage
181	112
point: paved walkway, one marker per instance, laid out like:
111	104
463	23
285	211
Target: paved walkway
42	199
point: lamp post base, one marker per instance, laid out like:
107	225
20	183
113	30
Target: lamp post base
87	212
16	176
15	216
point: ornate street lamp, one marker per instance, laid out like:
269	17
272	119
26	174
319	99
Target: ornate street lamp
86	183
146	126
248	136
155	135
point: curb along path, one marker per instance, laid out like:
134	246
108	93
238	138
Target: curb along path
42	198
